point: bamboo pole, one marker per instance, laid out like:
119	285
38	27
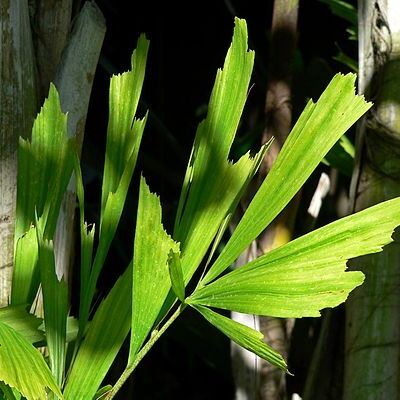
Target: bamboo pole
52	24
373	318
18	106
74	80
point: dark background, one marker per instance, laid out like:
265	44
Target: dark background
188	42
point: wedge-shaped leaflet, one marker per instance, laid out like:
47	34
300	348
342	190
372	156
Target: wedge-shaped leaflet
308	274
124	135
122	140
318	128
23	367
104	338
55	305
108	227
44	169
151	281
27	325
244	336
213	186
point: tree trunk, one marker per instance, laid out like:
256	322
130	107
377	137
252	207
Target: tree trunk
37	47
373	318
18	106
74	79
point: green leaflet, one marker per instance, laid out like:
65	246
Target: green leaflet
25	276
44	170
316	131
38	161
104	338
122	140
176	275
151	281
55	305
112	214
23	367
244	336
308	274
27	325
124	135
213	186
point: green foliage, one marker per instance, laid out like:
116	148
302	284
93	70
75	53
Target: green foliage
348	12
104	338
55	305
244	336
298	279
213	185
151	280
23	367
319	127
27	325
307	274
124	135
44	169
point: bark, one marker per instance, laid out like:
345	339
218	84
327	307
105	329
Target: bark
373	319
18	107
34	53
51	23
254	378
278	112
74	79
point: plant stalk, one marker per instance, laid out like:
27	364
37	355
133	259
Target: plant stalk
146	348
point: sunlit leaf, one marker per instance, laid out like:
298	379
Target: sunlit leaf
316	131
308	274
112	214
25	276
124	135
23	367
213	185
44	169
122	141
244	336
151	281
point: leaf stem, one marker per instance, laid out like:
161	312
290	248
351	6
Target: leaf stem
139	357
